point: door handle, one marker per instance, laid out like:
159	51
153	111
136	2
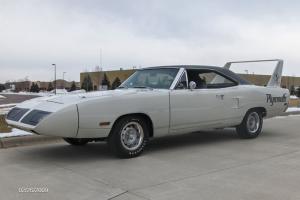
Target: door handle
220	96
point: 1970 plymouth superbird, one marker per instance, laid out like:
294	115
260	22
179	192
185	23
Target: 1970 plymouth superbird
156	101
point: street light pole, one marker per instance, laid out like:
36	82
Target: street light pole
54	78
64	79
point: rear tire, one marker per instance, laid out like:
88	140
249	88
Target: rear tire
76	141
251	126
129	136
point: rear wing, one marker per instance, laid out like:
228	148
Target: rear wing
275	80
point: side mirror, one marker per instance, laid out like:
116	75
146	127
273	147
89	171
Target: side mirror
192	85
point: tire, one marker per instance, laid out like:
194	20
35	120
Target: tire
129	136
251	126
76	141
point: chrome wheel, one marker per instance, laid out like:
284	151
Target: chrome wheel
132	136
253	122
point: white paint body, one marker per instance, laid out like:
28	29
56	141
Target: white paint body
171	111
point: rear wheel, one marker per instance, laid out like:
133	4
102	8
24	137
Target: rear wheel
129	136
76	141
251	126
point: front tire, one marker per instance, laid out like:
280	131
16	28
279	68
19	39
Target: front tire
251	126
76	141
129	136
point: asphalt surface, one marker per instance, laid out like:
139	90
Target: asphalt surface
204	165
15	98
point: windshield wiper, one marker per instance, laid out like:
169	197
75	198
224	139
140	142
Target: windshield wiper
121	87
143	87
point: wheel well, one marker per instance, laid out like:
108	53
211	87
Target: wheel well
260	109
142	115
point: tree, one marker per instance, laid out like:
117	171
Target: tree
2	87
105	81
34	88
116	83
87	84
50	87
292	90
73	87
298	92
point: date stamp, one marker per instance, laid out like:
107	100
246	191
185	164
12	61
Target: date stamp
33	190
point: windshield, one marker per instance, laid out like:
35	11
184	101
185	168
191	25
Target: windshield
161	78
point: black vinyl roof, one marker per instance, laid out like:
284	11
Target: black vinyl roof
226	72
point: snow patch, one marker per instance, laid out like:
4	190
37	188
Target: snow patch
5	108
7	105
2	97
14	133
293	109
293	97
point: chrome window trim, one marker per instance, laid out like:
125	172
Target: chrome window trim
187	80
221	74
186	77
177	78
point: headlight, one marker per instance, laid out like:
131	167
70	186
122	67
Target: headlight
34	117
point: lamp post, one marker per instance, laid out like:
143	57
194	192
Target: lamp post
54	78
64	79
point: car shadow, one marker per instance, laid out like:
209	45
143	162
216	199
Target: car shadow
191	139
62	152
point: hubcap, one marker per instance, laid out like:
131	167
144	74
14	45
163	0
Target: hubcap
253	122
132	136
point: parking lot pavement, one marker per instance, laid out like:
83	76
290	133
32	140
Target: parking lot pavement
205	165
15	98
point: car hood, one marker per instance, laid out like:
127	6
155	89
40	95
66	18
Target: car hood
54	103
73	98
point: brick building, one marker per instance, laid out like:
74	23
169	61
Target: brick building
24	86
97	77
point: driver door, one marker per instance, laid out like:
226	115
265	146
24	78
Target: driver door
193	110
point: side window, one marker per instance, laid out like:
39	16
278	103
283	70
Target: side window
182	83
209	79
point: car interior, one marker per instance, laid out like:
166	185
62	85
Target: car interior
205	79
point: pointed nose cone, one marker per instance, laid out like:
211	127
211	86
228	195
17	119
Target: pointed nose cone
63	123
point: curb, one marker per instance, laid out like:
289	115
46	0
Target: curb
27	141
291	113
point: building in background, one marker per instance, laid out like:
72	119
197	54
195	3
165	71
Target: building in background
98	77
256	79
262	80
60	84
18	85
24	86
98	82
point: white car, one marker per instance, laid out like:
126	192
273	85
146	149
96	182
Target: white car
153	102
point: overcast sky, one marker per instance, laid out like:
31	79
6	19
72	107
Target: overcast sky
35	34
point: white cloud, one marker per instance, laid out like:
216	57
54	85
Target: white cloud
35	34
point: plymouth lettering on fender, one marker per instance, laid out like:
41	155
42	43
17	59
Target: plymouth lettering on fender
272	100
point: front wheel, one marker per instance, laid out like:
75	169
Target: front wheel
251	126
76	141
129	136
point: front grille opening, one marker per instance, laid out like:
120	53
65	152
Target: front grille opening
34	117
16	114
